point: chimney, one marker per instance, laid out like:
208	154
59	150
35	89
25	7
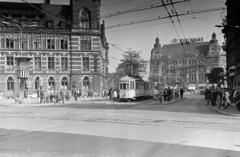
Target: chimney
47	1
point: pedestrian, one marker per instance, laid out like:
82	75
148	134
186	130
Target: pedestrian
57	97
220	95
169	93
160	94
42	96
62	95
228	101
114	96
165	94
110	93
118	95
181	93
75	95
207	95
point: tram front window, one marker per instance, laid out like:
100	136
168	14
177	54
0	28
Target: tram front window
124	86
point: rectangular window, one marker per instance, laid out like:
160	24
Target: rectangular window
51	63
37	43
37	63
9	43
85	43
85	63
64	44
51	44
64	63
50	24
10	63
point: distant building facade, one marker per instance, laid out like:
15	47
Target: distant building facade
190	62
68	45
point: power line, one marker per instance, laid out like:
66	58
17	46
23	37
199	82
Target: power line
172	22
180	23
139	9
164	17
117	3
148	25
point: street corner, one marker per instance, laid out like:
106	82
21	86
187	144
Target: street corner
229	112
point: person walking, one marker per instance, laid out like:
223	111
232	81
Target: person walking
62	95
181	93
169	93
57	97
228	101
110	93
75	95
165	94
220	95
114	96
160	94
207	95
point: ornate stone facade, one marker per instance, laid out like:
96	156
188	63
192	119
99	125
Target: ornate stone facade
63	53
190	62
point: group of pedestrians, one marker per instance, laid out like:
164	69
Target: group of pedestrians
51	96
223	97
168	94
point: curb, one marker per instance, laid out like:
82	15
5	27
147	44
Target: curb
171	102
221	112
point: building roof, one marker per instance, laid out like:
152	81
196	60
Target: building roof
197	47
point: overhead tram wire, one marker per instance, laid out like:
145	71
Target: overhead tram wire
147	25
172	22
116	3
164	17
140	9
180	25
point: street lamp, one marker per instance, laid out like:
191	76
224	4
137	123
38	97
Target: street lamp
23	62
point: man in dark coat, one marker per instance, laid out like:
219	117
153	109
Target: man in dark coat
181	92
169	93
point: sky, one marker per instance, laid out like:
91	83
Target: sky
141	37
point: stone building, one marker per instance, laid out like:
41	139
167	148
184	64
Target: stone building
190	62
68	45
231	30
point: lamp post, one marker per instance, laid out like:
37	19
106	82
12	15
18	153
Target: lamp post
23	62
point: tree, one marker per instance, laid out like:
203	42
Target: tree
216	76
133	64
114	78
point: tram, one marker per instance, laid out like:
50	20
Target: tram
135	88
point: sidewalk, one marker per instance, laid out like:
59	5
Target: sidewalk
88	100
230	110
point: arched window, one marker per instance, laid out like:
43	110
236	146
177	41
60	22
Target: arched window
84	19
51	83
86	83
37	83
10	84
64	83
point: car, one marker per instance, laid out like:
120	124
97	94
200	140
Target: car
33	95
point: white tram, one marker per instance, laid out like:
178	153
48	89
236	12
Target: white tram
132	88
